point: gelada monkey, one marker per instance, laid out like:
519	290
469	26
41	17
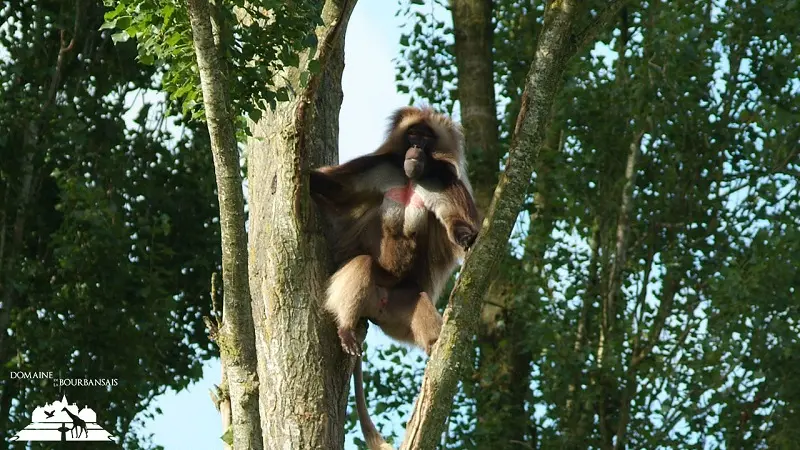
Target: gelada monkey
401	218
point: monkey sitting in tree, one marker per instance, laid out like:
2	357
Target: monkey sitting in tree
402	218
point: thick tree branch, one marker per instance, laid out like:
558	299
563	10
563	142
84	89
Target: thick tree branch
237	336
554	48
303	372
473	31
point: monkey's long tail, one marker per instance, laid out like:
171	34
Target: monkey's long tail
371	434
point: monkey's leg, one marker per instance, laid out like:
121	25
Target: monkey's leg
426	323
353	294
408	315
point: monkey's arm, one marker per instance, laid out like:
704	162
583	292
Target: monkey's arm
363	175
455	208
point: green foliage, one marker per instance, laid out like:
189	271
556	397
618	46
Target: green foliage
258	39
108	275
426	70
708	306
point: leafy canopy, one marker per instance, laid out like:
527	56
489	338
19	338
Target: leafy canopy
258	39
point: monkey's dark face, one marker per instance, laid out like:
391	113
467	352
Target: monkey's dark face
422	136
426	153
420	140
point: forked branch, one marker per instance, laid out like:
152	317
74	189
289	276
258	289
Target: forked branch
236	335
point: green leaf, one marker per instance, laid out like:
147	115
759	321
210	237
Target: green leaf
255	114
120	37
123	22
282	95
181	91
166	12
314	66
109	24
173	39
227	436
147	60
311	41
115	12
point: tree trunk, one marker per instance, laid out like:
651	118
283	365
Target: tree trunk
236	336
502	365
555	46
304	374
472	27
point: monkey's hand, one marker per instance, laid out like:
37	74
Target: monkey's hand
464	234
350	343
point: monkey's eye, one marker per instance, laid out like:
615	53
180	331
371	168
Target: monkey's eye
420	136
418	141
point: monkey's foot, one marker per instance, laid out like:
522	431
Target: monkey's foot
350	343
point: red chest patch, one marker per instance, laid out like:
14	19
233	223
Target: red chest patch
405	196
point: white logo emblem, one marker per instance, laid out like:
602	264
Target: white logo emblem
60	421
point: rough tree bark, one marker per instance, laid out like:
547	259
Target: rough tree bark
236	336
304	374
557	43
472	27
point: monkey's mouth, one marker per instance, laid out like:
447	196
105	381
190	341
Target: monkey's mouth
415	153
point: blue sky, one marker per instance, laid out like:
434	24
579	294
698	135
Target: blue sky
189	420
